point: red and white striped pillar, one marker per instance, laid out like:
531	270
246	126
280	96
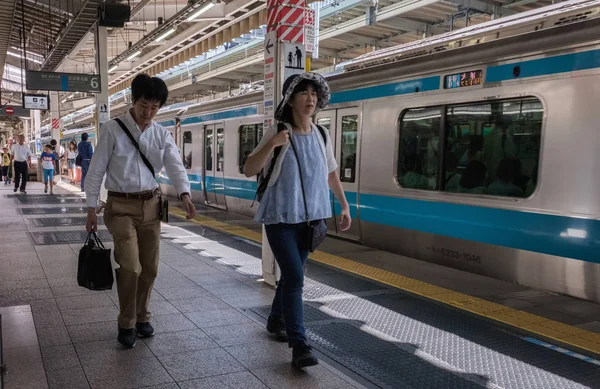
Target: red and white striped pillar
285	55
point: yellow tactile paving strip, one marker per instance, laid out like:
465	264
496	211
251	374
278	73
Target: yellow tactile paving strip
546	328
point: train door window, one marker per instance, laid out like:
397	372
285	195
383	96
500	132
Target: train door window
187	149
220	149
418	151
348	150
249	135
500	155
208	154
325	123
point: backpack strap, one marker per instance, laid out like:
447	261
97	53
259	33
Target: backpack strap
322	131
262	186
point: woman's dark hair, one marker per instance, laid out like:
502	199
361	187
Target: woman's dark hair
287	116
74	144
473	176
84	136
149	88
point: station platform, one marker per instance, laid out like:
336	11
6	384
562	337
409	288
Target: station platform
375	319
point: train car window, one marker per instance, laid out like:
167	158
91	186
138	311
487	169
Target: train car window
249	135
349	143
247	143
499	153
418	150
220	149
208	150
187	149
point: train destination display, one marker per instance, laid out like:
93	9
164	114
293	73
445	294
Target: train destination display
459	80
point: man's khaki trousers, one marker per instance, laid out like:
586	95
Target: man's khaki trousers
135	227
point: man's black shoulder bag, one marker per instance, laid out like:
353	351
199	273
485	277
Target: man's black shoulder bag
164	203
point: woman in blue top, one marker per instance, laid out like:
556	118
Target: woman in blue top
48	159
282	209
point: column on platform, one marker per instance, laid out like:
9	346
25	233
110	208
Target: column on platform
102	103
285	55
55	126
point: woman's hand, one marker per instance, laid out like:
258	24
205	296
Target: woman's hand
345	219
282	138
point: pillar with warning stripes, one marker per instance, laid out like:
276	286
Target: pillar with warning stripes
285	55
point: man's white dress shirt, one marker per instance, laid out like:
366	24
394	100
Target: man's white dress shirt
21	152
125	170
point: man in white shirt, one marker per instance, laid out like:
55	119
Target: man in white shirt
133	206
21	157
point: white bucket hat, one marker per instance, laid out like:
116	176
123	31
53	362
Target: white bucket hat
323	91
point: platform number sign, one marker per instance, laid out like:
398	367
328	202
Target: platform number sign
64	82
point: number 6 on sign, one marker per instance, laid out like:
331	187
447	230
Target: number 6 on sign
94	82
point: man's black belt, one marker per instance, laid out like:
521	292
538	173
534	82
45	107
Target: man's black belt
146	195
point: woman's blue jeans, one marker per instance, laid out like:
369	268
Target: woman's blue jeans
287	242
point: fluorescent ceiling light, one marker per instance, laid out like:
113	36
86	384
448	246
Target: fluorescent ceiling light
113	69
200	11
70	96
166	34
20	56
132	56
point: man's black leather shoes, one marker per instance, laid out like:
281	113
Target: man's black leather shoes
126	337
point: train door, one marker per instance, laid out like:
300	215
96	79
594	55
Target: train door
326	119
214	172
347	151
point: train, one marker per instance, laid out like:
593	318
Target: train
476	149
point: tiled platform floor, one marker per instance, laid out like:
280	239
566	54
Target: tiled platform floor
203	337
207	308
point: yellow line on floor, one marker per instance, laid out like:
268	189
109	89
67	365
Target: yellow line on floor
550	329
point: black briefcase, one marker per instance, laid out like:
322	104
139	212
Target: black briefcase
94	269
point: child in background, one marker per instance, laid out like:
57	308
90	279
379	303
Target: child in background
48	159
5	164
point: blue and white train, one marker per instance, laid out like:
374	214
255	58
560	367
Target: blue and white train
477	149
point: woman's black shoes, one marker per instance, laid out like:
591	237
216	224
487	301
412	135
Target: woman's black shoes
276	325
302	356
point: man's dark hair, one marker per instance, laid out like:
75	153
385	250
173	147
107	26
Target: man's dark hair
149	88
53	142
84	136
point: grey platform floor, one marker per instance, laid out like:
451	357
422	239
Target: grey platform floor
209	307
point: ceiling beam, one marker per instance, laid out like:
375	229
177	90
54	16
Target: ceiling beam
382	14
484	7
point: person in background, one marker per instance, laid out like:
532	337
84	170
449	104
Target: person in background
134	202
48	164
59	153
71	157
21	157
282	207
5	164
86	151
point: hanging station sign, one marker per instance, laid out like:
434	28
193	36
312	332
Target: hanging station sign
41	102
65	82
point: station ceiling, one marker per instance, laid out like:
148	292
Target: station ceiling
220	49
